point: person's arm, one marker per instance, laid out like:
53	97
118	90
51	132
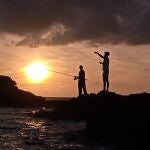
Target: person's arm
99	54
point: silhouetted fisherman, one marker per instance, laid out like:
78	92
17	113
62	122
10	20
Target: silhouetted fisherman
105	64
81	81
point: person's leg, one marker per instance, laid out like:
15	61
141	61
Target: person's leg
104	82
84	89
107	81
80	89
104	86
107	85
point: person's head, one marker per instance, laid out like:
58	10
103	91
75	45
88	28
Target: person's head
106	54
81	67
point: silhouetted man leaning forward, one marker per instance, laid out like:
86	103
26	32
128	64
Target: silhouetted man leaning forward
105	64
81	81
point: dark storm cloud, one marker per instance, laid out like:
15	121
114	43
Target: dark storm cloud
65	21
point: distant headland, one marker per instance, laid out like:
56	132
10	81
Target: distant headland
11	95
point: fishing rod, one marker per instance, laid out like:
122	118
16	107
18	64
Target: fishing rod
61	73
47	70
75	77
70	75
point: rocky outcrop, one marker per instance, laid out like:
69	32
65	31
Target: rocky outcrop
108	116
11	95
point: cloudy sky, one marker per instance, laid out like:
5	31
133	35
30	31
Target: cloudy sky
65	33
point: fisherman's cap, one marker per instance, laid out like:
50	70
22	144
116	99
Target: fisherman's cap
107	53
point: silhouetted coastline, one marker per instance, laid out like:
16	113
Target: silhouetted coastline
11	95
109	117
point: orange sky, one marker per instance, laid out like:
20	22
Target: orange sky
65	33
129	66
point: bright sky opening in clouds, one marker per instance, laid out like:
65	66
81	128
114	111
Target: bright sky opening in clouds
64	34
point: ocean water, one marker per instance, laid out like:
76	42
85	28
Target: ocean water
19	131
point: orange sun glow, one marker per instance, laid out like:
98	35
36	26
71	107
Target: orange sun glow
37	72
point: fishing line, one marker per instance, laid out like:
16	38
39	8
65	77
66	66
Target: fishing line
61	73
75	77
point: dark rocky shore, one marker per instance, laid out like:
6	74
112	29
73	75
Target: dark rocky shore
105	106
108	116
11	95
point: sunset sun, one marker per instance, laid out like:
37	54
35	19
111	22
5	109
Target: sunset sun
37	72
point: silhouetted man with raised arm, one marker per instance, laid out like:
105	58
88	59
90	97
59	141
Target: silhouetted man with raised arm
105	64
81	81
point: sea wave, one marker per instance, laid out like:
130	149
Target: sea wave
19	131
